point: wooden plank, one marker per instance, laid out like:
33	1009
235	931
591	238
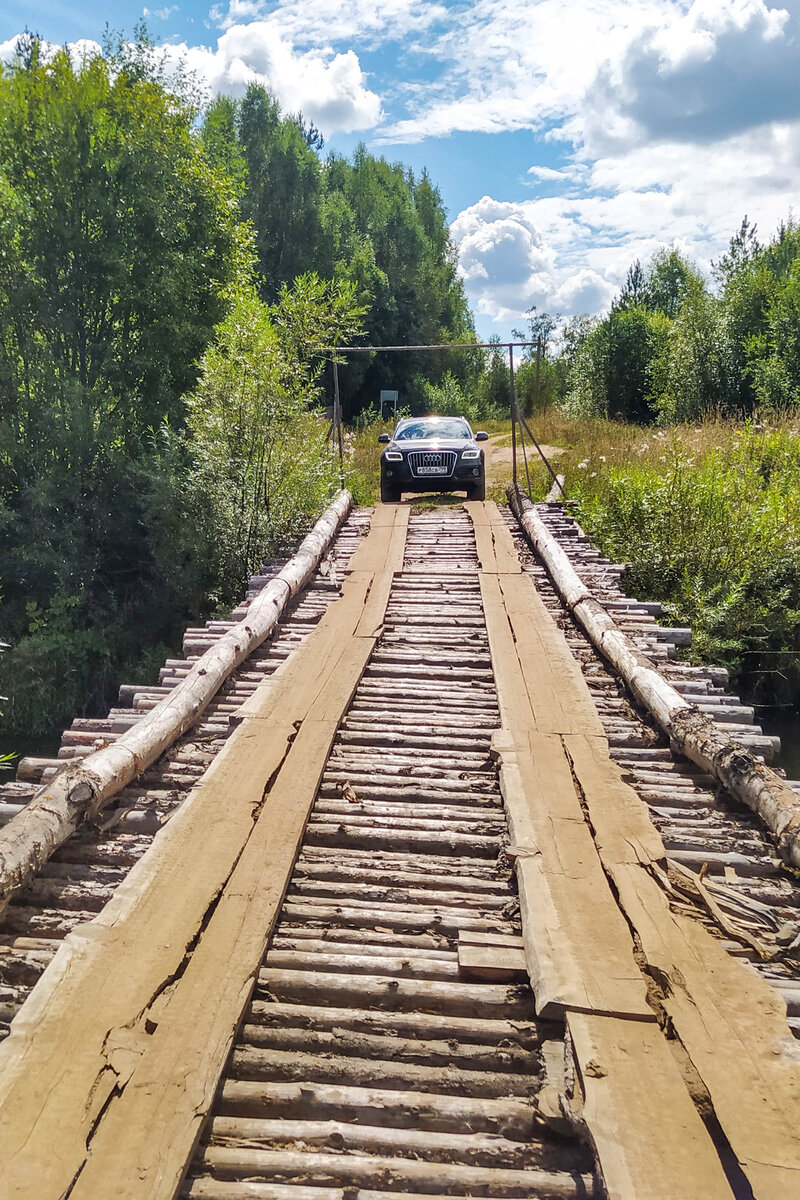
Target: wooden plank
471	937
733	1026
494	544
146	1136
731	1023
623	831
89	1021
578	944
491	962
383	549
559	698
649	1138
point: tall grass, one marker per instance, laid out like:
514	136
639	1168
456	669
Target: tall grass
709	519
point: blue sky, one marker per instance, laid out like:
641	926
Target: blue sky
567	137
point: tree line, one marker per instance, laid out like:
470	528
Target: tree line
675	346
170	277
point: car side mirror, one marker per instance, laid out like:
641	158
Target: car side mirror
384	437
481	436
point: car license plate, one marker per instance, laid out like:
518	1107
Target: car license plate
432	470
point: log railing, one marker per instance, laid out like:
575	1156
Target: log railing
693	733
83	788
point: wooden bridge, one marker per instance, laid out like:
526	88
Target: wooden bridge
431	872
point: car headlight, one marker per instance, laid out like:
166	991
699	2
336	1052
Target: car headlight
470	454
393	456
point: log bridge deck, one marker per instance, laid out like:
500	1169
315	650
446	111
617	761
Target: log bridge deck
421	904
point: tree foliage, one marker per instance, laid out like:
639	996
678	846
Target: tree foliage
262	459
164	325
367	221
673	347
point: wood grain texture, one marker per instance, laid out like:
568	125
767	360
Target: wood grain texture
649	1138
100	1038
557	777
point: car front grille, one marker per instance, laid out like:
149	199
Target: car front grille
432	462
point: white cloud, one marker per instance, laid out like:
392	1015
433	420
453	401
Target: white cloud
323	22
714	71
564	175
329	88
161	14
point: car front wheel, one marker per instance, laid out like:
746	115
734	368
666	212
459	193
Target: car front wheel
477	491
389	493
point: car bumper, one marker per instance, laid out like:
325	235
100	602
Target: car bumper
464	475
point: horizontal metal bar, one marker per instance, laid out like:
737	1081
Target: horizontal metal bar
444	346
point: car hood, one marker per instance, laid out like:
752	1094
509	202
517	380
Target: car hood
433	443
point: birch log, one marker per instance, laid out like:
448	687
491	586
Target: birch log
692	732
85	786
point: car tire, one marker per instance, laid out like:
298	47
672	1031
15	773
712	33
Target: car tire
477	491
389	493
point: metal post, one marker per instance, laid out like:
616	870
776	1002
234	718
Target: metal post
337	419
513	415
517	416
538	369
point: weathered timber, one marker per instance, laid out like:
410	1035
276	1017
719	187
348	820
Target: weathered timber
82	789
691	731
323	1168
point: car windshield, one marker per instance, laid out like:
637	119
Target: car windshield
439	427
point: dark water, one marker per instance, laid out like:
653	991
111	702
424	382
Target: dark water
785	724
26	747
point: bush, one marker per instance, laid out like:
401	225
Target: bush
717	536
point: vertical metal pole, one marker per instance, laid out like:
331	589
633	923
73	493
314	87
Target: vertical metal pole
337	418
516	417
513	415
538	369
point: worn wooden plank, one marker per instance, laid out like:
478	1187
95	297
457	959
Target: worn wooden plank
383	549
493	544
579	948
649	1138
491	962
559	698
578	944
90	1023
147	1135
733	1026
623	831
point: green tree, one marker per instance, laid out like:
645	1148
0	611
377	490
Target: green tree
262	458
118	244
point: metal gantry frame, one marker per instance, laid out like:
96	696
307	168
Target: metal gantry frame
517	419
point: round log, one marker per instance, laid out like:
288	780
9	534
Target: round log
691	731
83	787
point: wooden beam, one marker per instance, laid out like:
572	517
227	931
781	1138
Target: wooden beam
82	789
91	1058
496	553
650	1140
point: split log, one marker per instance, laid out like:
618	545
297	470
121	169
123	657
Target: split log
405	1175
81	789
692	732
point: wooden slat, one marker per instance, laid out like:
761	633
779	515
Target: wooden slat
578	943
495	548
733	1026
649	1138
383	549
98	1022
